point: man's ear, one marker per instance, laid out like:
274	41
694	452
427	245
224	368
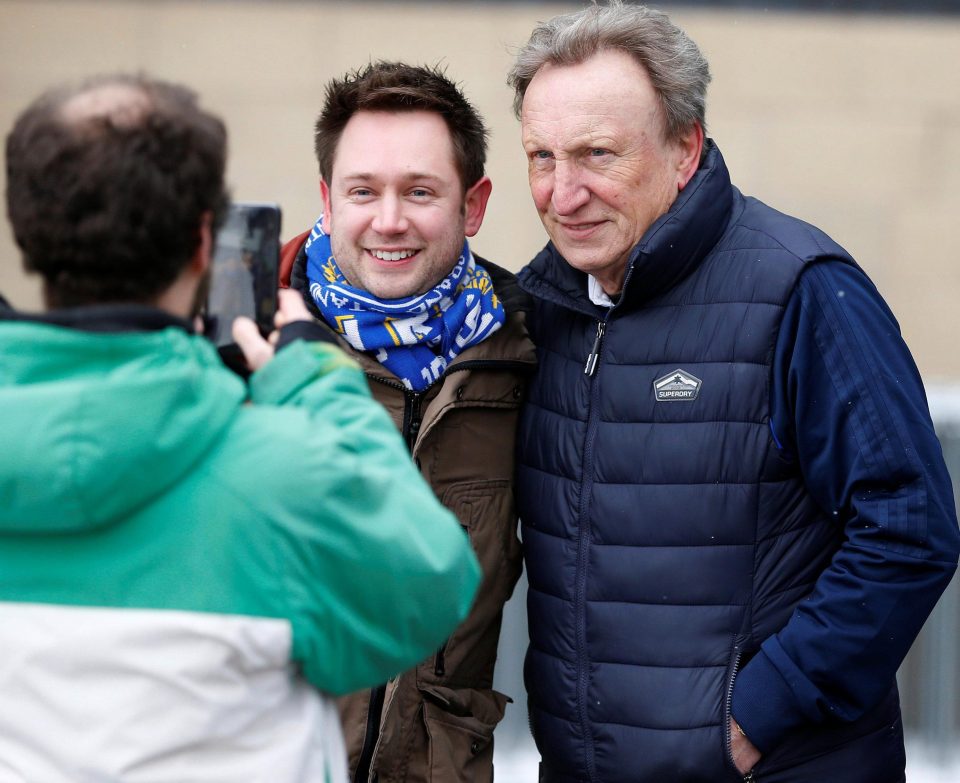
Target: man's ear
690	147
327	211
475	205
200	260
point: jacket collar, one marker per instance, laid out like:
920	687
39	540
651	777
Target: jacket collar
671	249
109	318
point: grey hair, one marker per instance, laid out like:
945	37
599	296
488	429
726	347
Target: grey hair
678	70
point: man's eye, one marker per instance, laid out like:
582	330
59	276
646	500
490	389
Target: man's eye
419	193
360	192
542	155
598	152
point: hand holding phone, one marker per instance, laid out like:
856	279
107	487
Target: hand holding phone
256	350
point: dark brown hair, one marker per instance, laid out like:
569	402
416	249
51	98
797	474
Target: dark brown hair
107	204
393	86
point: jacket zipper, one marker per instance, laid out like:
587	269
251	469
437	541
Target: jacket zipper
589	370
749	777
412	415
583	541
372	732
412	418
591	366
440	664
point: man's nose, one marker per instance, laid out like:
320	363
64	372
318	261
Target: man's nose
390	218
569	190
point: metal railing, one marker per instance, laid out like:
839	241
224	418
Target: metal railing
930	676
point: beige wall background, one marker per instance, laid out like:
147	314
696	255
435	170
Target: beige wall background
851	122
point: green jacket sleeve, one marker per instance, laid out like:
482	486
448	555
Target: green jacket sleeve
376	572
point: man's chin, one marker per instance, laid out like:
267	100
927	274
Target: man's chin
599	266
397	287
588	262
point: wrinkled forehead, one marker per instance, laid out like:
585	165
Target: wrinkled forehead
608	91
611	78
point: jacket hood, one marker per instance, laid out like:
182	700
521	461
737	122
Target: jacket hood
98	419
670	249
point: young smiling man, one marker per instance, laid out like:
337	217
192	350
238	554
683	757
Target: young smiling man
441	336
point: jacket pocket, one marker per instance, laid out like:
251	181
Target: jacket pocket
460	724
487	512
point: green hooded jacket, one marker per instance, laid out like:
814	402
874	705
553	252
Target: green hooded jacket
180	555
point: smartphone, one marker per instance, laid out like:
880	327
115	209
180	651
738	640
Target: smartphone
244	270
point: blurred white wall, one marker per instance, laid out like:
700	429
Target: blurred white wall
851	122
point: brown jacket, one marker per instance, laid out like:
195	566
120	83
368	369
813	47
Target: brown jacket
435	723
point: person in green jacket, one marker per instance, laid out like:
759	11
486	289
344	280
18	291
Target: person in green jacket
190	566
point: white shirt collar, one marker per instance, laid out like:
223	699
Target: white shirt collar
596	293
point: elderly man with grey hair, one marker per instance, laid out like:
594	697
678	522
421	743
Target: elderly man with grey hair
736	514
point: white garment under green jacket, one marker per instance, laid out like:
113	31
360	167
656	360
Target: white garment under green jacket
185	569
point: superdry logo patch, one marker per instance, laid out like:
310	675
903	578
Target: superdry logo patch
677	386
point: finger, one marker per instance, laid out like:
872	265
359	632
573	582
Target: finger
256	350
290	308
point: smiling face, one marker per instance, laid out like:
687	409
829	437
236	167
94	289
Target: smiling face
601	171
395	207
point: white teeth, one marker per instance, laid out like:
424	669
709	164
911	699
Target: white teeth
394	255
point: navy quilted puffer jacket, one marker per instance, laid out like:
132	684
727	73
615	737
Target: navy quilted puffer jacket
666	534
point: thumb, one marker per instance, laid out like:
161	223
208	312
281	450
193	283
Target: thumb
256	350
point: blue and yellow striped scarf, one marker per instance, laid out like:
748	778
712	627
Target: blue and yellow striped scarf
415	337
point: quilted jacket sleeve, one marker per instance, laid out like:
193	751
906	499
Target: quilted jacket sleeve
849	406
